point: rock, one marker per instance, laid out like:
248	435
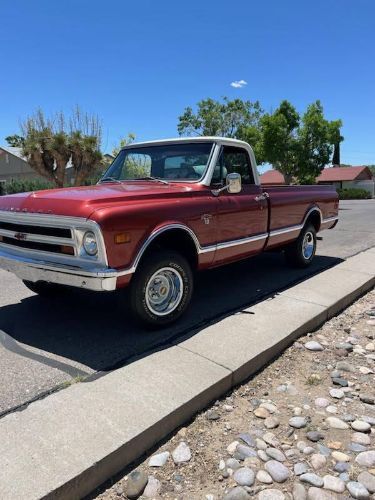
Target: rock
270	439
244	476
277	471
365	370
341	467
356	447
340	381
369	420
314	436
263	477
344	345
344	476
331	409
357	490
251	462
246	438
237	493
333	483
159	460
321	402
299	492
344	366
312	345
212	415
368	481
318	461
334	445
276	454
260	444
244	451
300	468
308	450
271	422
269	407
271	494
366	398
261	412
337	393
181	454
318	494
311	478
135	484
366	458
323	450
360	426
336	423
340	457
298	422
370	346
232	447
233	464
152	488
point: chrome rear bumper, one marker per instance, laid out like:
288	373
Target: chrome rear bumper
100	280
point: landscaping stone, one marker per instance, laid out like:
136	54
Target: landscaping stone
159	459
366	458
181	454
298	422
334	484
271	494
368	481
237	493
312	479
357	490
244	476
314	346
277	471
136	483
263	477
337	423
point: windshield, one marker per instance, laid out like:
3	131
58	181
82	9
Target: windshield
171	162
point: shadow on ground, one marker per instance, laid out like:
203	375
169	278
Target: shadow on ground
97	330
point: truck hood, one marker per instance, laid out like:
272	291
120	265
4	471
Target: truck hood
83	201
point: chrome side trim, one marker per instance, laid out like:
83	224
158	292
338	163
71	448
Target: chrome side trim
242	241
290	229
330	219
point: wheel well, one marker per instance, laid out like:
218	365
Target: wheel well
314	219
177	240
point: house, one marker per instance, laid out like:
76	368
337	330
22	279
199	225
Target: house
272	178
340	177
13	165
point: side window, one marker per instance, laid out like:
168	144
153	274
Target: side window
232	160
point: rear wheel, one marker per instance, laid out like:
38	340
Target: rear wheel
301	252
161	289
45	289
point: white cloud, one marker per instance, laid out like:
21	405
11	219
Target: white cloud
238	84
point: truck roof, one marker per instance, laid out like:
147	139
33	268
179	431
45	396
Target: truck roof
203	138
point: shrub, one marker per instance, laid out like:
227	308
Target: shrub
23	186
353	194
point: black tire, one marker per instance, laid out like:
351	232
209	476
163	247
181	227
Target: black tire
175	276
297	254
44	289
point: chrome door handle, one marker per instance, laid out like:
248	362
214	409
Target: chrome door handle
261	197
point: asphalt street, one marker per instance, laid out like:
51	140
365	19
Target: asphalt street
49	344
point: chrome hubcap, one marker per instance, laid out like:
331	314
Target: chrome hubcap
164	291
308	245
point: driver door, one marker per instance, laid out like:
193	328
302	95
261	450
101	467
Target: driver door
241	218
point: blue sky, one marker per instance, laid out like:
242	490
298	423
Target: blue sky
138	64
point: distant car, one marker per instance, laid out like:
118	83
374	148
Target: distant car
162	211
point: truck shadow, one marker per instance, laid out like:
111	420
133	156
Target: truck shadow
97	331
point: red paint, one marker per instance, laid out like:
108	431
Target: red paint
140	207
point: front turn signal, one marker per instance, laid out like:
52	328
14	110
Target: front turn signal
122	238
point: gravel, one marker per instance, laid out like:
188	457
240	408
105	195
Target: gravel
301	429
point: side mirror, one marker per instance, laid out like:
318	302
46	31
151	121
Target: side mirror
234	183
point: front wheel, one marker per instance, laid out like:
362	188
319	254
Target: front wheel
161	289
301	252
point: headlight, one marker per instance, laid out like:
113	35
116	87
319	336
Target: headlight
89	243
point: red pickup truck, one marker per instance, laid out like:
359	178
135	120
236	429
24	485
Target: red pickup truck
162	211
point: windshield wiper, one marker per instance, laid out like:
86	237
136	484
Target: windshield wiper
152	178
109	179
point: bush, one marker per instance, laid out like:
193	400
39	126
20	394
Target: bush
24	185
353	194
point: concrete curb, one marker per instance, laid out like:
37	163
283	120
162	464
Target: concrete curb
69	443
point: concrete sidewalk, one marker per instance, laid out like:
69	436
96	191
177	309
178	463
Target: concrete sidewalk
70	442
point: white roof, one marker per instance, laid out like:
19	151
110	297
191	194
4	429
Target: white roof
14	151
203	138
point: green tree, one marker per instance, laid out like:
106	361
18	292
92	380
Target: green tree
297	147
226	118
49	143
15	140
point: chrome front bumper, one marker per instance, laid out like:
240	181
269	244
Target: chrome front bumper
100	280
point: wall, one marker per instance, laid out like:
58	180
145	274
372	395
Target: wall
368	185
12	167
